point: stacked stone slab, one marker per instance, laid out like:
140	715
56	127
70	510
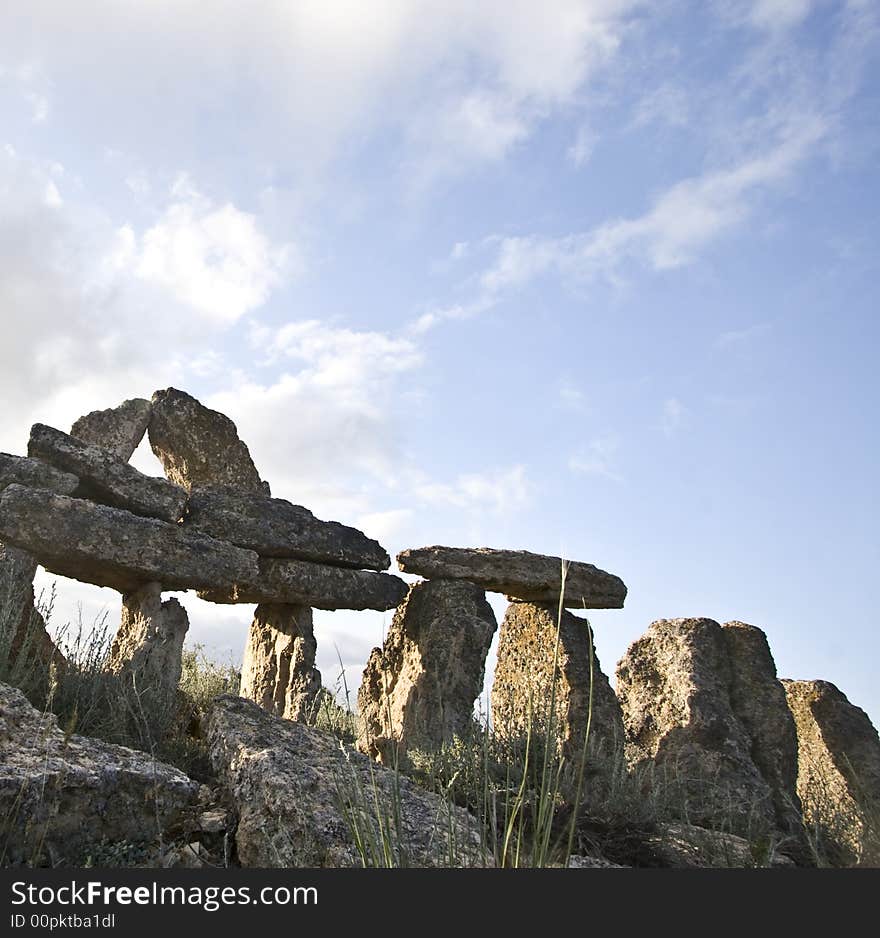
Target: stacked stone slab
76	506
702	701
521	575
838	772
419	688
24	640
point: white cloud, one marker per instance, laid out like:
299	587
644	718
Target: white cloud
682	221
323	430
571	396
483	75
673	415
212	258
736	337
598	458
386	526
582	148
778	14
501	491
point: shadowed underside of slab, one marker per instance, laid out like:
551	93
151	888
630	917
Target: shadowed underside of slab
312	584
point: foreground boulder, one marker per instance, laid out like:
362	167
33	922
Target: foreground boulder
61	795
110	547
149	643
418	690
199	446
118	430
20	470
839	772
274	527
104	478
524	680
304	801
301	583
705	705
278	671
519	574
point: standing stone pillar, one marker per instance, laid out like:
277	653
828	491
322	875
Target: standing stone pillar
418	690
278	671
702	700
25	645
523	689
838	772
149	643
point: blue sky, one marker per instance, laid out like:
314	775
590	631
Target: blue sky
590	277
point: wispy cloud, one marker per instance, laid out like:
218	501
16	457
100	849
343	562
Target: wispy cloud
672	416
598	458
500	491
735	337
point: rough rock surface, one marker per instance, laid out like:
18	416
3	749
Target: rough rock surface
60	794
289	783
687	846
519	574
199	446
118	430
524	677
110	547
679	687
105	479
149	642
839	771
20	470
274	527
758	700
301	583
278	671
23	636
418	690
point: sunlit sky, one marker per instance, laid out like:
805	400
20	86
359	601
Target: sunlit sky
586	277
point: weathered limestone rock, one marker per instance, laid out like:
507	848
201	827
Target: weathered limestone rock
686	846
199	446
758	700
419	689
839	771
110	547
60	794
518	573
20	470
296	792
24	641
103	478
274	527
119	430
683	688
278	671
524	678
300	583
149	643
